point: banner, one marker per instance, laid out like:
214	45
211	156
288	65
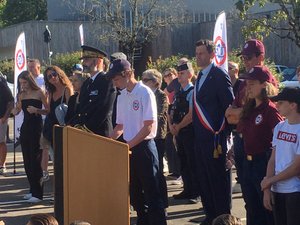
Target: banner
81	34
20	65
220	41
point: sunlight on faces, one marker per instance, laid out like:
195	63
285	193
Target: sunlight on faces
76	82
203	57
34	68
120	81
251	60
254	88
285	107
24	84
184	76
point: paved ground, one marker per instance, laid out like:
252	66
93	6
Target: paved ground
15	211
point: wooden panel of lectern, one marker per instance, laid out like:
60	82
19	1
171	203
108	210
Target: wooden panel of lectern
91	178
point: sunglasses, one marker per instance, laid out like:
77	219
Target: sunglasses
167	75
52	74
247	57
145	80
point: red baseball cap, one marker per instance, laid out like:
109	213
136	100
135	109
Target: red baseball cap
260	73
253	46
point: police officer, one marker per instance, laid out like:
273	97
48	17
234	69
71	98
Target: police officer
97	94
181	126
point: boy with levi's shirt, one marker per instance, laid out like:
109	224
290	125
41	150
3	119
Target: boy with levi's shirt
281	185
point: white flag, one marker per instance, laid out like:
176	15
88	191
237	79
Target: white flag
220	41
81	34
20	65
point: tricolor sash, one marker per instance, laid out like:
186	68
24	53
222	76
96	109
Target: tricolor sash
206	122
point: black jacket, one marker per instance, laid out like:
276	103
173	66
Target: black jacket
95	105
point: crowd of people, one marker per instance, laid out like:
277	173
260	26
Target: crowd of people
191	122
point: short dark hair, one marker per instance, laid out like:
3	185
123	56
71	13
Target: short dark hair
35	61
210	46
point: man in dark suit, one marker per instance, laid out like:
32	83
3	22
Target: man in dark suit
212	95
97	94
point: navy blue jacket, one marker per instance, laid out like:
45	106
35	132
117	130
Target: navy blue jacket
215	96
96	105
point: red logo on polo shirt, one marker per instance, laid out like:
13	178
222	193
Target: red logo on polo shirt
258	119
287	136
135	105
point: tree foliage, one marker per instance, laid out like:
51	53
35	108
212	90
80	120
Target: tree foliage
283	21
17	11
66	61
132	23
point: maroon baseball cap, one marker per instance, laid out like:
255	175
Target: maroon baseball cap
260	73
253	46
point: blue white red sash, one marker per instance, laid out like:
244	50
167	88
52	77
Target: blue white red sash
204	117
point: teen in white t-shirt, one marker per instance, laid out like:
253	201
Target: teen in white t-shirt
137	121
283	169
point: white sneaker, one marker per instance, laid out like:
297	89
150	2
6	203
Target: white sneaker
2	170
45	176
34	200
27	196
177	182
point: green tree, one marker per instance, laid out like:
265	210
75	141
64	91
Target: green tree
66	61
2	5
17	11
283	21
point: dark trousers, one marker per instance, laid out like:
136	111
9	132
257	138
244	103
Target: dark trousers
145	184
186	154
32	155
172	156
253	173
286	209
239	155
214	178
160	145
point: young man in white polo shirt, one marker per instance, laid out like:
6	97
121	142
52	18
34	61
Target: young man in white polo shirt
283	171
137	121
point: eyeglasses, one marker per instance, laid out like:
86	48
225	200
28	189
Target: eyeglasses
145	80
167	75
247	57
52	74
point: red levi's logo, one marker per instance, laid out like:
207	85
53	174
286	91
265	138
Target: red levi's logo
287	136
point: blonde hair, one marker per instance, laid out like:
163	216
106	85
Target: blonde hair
155	75
227	219
171	70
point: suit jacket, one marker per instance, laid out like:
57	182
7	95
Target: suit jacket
162	108
215	95
95	105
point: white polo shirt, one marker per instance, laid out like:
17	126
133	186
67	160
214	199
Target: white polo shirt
286	140
135	107
39	80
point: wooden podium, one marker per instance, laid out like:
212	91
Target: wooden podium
91	178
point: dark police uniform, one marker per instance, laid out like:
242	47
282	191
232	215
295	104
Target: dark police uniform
185	144
96	99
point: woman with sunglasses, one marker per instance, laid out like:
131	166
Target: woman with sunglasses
59	89
31	99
